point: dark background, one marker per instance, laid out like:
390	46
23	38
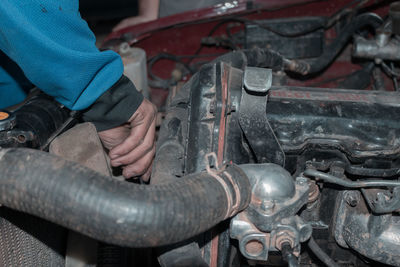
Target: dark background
103	15
93	10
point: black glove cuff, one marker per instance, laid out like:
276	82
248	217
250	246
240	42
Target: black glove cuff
115	106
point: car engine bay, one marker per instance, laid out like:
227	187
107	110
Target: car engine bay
278	145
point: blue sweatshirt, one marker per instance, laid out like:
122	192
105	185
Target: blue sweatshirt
56	51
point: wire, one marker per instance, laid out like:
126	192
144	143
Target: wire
67	123
321	255
389	71
344	11
327	24
395	82
186	56
288	256
159	82
349	184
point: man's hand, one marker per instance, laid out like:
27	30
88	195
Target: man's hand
132	145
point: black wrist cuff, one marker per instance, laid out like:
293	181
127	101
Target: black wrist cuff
115	106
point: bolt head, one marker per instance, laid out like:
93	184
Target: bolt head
267	206
352	198
301	180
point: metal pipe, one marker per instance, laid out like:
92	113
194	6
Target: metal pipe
349	184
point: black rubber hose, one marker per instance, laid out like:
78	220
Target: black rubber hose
333	49
117	212
255	57
321	255
264	58
359	79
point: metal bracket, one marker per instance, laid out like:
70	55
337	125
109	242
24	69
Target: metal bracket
258	80
253	118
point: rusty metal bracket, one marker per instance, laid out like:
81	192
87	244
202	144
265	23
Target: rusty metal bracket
253	118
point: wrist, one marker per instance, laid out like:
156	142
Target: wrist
115	107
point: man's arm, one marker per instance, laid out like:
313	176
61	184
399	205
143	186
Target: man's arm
56	51
148	11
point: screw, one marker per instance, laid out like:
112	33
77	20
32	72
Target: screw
352	198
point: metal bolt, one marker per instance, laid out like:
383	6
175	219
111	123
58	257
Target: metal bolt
284	236
301	180
212	108
267	206
352	198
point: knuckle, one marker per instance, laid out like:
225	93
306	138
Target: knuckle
125	161
141	168
131	144
148	145
155	110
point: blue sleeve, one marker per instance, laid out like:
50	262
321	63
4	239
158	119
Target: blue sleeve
56	50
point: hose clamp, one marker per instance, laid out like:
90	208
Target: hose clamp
218	172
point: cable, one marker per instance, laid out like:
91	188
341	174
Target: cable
344	11
395	82
359	79
332	50
287	255
159	82
349	184
283	34
389	71
326	24
163	83
321	255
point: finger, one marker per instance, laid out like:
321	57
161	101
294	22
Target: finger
145	147
115	136
147	174
136	137
140	166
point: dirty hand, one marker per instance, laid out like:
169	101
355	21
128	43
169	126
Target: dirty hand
132	145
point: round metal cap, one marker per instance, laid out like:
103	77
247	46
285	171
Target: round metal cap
7	120
269	181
